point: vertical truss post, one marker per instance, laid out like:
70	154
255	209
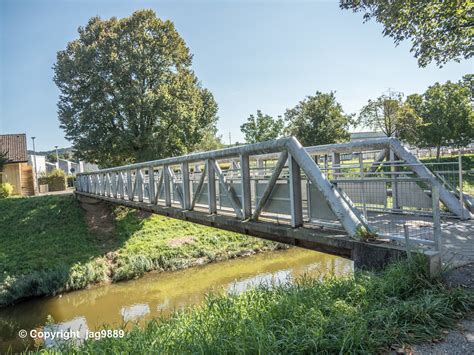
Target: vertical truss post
166	182
129	185
139	184
245	185
336	165
186	190
151	185
362	182
393	170
211	185
115	185
436	217
296	202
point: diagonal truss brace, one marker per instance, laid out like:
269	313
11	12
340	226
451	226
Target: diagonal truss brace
271	184
228	189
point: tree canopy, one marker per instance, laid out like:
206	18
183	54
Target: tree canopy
318	119
3	160
440	30
128	92
390	115
447	115
261	128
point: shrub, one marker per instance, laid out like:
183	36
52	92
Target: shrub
56	180
6	189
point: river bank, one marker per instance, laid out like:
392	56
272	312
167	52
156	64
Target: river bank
49	245
359	313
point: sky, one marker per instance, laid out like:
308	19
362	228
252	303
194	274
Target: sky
266	55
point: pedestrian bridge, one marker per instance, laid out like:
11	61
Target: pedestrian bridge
369	201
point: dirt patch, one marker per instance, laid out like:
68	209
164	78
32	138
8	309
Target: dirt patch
176	242
100	220
141	215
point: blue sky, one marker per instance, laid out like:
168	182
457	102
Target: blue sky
252	55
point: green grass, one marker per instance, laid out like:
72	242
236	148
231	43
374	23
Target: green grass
46	247
364	313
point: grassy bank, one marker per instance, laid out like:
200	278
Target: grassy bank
364	313
46	246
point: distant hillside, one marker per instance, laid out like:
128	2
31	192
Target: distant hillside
60	151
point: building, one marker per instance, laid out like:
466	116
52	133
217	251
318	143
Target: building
17	171
360	136
40	161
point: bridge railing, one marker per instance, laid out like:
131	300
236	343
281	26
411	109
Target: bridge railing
233	181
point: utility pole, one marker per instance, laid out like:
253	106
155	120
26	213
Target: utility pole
57	157
35	185
230	138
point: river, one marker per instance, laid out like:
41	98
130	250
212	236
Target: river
158	294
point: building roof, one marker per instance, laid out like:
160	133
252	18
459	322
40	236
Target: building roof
15	147
366	135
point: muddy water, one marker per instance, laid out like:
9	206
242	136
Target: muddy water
158	294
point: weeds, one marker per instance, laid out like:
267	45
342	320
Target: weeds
363	313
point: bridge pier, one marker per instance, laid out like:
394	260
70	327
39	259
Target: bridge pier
365	255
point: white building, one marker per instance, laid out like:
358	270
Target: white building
40	161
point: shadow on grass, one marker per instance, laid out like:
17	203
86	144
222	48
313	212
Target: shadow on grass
46	247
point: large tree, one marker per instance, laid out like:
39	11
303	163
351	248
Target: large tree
391	115
440	30
318	119
447	114
128	92
261	128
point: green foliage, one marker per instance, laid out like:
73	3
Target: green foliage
390	115
440	30
40	254
318	119
56	180
365	313
3	160
51	157
128	92
261	128
447	115
6	190
210	141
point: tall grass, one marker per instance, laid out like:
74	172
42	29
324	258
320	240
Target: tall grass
363	313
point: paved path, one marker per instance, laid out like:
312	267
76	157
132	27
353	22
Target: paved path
458	242
461	340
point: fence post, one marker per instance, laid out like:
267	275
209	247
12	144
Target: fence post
436	218
394	175
407	240
461	196
361	167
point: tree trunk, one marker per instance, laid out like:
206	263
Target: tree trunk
438	151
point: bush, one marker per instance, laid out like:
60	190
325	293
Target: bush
56	180
6	189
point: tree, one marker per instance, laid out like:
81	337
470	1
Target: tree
128	92
440	30
261	128
390	115
318	119
210	141
447	114
3	160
